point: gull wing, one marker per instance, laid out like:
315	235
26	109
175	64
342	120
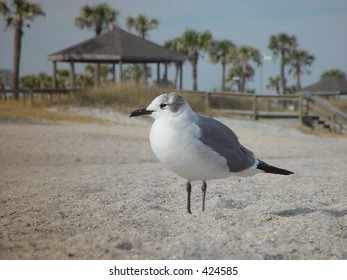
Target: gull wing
225	142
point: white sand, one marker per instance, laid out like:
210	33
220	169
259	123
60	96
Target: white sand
89	191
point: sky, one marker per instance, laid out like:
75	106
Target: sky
320	27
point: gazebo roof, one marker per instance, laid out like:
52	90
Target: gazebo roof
329	85
115	46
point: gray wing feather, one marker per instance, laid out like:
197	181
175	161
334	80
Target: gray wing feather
225	142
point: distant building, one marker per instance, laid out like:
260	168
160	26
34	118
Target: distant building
6	77
116	47
326	86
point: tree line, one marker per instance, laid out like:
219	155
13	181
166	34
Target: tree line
238	62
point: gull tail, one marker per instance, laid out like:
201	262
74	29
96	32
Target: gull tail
263	166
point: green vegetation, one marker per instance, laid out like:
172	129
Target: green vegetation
337	73
239	62
241	69
17	16
191	43
282	45
299	62
99	18
142	25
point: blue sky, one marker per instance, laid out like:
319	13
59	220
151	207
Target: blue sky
319	25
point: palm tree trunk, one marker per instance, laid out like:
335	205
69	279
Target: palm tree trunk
17	51
98	30
223	75
298	82
195	74
283	81
243	77
242	84
278	92
283	78
97	75
144	74
239	85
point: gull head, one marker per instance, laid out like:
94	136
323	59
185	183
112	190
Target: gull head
163	106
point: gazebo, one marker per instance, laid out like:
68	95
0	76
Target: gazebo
116	47
326	86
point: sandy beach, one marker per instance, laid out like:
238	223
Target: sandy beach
96	191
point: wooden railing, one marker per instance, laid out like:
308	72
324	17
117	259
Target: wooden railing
304	107
28	95
332	117
252	105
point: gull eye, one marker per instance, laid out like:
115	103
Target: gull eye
163	105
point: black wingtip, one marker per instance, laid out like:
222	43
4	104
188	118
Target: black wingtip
272	169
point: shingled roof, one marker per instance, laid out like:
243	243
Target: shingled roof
117	45
329	85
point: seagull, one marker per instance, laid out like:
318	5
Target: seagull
196	147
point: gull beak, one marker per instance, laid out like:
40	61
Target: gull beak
140	112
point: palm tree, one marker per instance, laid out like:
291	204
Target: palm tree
104	71
219	51
292	89
89	69
63	78
142	25
84	80
44	80
173	45
191	43
16	16
236	71
333	73
298	61
282	46
29	81
246	55
134	72
99	17
241	70
274	83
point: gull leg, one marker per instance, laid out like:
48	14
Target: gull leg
189	191
203	188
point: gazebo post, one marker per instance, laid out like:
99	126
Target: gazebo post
158	73
181	75
165	79
72	74
120	72
113	73
97	75
54	74
165	71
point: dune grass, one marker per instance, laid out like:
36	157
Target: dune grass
128	97
340	104
15	110
124	98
